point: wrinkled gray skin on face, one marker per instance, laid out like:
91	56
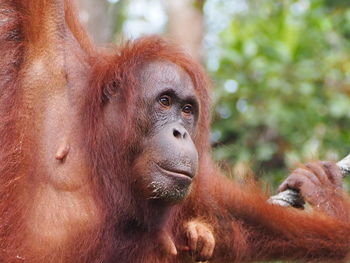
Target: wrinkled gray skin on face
169	158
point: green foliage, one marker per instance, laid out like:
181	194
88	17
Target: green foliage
282	85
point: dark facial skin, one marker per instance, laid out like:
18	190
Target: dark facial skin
169	158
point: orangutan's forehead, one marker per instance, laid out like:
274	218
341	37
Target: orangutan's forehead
165	72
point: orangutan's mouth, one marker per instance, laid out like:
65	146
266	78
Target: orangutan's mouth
176	172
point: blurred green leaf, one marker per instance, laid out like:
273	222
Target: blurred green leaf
289	62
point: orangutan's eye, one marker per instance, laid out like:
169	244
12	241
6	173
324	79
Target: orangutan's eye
165	100
188	109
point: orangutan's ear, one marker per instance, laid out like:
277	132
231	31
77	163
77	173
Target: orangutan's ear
110	90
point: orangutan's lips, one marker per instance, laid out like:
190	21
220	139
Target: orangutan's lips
176	172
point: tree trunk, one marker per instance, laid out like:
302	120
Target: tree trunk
94	15
186	25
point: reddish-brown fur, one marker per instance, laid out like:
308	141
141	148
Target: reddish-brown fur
85	209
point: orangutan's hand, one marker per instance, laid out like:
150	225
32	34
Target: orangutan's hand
200	240
320	184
